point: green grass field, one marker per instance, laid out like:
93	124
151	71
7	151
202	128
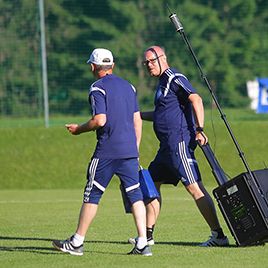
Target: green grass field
30	219
41	183
34	157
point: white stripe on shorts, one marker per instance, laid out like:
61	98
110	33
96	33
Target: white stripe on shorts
99	186
186	162
132	187
91	171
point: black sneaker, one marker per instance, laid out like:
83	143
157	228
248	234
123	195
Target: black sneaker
68	247
146	251
214	241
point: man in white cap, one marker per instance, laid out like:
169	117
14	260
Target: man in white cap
117	121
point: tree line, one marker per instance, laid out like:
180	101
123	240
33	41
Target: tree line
229	38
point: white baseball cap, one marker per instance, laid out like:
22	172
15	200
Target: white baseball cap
101	56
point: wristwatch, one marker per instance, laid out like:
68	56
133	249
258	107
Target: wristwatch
199	129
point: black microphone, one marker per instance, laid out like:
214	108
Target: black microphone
175	20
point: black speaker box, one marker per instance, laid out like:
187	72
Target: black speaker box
243	202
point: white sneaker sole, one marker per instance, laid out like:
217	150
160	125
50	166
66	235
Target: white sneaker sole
133	242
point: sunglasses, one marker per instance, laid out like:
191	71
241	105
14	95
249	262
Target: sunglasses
153	61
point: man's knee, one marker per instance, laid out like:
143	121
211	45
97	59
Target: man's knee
195	191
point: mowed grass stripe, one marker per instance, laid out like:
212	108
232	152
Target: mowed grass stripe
27	229
39	158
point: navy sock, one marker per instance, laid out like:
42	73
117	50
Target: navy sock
220	233
149	232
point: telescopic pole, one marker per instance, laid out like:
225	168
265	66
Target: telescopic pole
44	62
179	28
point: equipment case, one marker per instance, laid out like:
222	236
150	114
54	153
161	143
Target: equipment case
243	202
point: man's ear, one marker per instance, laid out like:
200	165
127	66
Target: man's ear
92	67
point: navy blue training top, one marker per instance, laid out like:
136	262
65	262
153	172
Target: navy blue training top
115	97
173	114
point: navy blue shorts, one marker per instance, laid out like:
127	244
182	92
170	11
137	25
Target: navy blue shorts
170	167
101	171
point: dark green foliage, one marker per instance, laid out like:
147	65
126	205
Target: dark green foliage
19	58
228	37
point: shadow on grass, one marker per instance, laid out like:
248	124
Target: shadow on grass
24	238
192	244
188	244
52	250
48	250
31	249
171	243
39	250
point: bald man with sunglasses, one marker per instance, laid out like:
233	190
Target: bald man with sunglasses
178	121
